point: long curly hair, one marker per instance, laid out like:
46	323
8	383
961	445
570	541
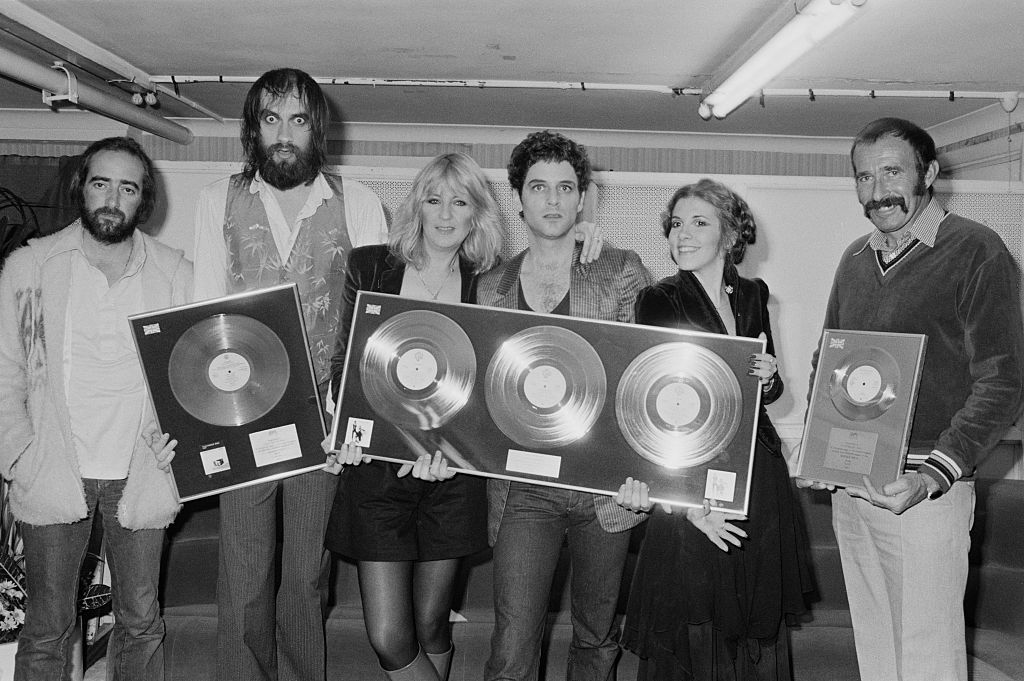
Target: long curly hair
277	84
738	226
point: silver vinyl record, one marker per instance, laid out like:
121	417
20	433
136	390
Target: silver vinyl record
228	370
678	405
418	369
545	387
865	384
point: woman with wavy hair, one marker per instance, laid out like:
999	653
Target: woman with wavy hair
407	533
711	592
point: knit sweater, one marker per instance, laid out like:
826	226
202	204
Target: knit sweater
962	293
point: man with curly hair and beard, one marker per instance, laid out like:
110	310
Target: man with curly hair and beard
282	219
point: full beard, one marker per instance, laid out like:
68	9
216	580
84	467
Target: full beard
286	175
109	225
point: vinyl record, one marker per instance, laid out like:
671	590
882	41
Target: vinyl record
228	370
418	369
678	405
864	384
545	387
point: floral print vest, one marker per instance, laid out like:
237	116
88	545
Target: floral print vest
316	264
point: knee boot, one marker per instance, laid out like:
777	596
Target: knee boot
442	662
419	669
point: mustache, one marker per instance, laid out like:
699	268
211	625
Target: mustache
110	212
887	202
279	146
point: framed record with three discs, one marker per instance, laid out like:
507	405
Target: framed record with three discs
231	379
861	407
552	400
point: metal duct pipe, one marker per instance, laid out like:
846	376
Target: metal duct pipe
29	72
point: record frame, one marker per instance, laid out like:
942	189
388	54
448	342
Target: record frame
861	407
231	379
509	365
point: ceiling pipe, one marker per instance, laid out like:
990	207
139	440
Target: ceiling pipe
29	72
51	30
1006	98
952	95
439	82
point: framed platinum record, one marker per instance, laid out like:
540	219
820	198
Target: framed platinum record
861	407
552	400
231	379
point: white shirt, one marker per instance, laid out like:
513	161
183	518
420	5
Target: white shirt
104	383
364	219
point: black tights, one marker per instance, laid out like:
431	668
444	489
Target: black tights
405	607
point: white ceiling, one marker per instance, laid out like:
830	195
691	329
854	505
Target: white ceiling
923	45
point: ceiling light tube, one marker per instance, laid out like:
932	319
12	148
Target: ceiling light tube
806	27
14	65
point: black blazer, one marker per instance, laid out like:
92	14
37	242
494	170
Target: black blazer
376	268
679	301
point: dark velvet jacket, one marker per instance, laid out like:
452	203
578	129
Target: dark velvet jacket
680	302
376	268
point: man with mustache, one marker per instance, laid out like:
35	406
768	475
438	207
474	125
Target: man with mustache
923	270
280	220
77	432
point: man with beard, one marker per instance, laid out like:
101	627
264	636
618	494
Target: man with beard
923	270
280	220
77	432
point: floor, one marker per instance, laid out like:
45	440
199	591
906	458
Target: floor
818	653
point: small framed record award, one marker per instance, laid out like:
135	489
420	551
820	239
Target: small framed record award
231	379
553	400
861	407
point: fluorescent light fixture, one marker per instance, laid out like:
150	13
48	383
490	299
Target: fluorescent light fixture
805	26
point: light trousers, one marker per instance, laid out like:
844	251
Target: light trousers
906	576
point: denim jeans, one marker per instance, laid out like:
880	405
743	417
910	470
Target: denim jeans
535	523
53	560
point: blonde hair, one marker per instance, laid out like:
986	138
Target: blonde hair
460	172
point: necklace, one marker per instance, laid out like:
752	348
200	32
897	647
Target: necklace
434	294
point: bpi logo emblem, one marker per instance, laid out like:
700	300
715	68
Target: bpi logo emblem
836	343
372	309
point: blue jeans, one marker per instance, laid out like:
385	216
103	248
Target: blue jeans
53	560
535	523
